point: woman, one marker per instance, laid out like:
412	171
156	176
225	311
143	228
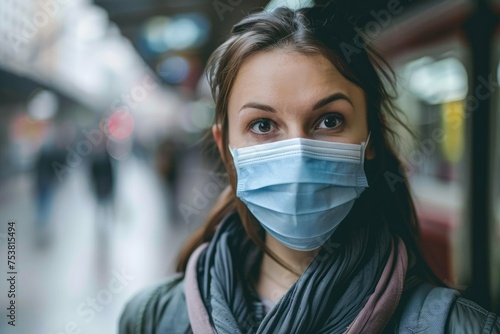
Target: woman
309	236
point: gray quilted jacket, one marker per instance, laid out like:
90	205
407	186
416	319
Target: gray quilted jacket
162	309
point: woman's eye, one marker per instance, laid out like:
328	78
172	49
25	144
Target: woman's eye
261	126
331	121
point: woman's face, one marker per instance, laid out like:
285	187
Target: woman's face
280	95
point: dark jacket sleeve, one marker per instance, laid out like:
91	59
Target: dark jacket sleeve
130	320
159	309
468	317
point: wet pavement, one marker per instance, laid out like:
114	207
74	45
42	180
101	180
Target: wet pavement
77	274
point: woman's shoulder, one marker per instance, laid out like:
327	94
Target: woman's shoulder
157	309
468	317
433	309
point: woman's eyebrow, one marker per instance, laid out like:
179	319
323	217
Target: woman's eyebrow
334	97
255	105
321	103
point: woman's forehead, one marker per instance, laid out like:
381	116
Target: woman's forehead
283	77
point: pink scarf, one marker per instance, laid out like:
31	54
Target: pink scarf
198	316
383	302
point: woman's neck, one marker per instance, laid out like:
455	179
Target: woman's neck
275	280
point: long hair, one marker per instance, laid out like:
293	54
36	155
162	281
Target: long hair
387	203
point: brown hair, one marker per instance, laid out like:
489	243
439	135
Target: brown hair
318	31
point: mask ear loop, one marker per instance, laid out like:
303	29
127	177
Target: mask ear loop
364	146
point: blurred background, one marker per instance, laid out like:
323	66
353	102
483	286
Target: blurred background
105	170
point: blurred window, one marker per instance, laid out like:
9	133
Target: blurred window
432	90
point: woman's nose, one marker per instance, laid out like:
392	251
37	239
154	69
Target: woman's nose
298	131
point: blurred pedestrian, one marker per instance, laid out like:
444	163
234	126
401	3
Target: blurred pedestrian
103	184
46	182
167	166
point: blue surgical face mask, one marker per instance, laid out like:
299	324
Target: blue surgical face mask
300	189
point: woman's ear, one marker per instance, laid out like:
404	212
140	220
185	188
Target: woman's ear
370	152
217	133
